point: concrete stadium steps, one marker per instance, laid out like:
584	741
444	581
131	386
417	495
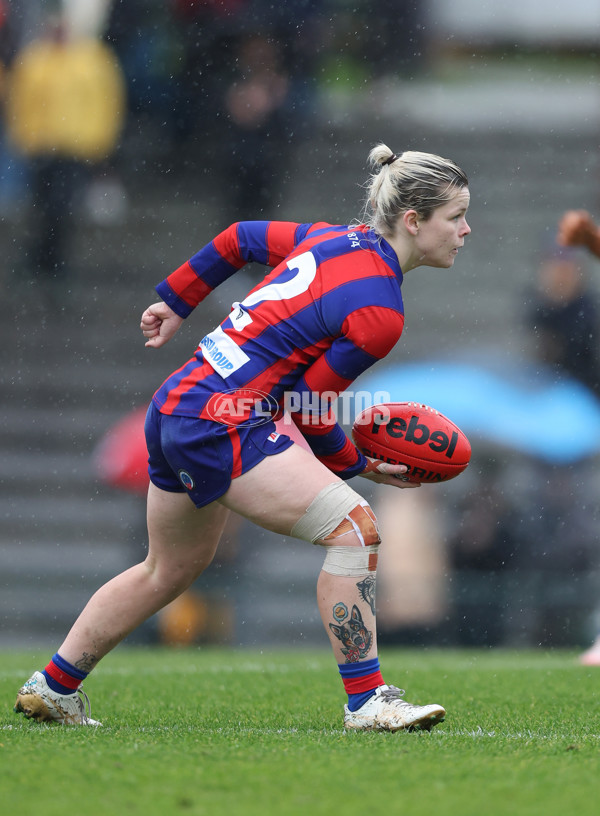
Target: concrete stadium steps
62	386
52	562
276	598
62	532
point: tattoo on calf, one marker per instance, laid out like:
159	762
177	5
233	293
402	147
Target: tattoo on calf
87	662
366	589
355	637
340	612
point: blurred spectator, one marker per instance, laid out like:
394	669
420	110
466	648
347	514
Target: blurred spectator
577	228
558	551
299	28
148	47
481	551
181	57
212	33
208	31
64	115
11	175
521	553
563	315
258	139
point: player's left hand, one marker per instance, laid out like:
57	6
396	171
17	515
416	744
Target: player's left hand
385	473
159	323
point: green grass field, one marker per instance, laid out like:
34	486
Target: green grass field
216	731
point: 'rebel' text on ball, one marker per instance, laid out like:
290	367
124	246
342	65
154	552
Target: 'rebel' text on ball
418	433
430	445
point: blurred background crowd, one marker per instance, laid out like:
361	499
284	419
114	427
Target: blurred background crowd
132	132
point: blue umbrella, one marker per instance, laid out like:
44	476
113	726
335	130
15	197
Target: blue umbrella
521	406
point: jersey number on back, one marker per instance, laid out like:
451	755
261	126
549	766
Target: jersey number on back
305	267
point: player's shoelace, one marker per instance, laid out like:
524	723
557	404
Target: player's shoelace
86	706
392	694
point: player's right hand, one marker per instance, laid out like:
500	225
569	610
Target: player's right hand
159	323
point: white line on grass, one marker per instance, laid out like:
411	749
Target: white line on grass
439	733
249	667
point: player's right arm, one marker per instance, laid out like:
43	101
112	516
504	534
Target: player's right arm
266	242
159	323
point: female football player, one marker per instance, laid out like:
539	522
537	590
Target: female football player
329	309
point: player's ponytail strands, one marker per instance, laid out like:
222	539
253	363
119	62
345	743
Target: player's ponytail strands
412	181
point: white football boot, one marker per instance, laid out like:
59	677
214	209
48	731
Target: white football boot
37	701
387	711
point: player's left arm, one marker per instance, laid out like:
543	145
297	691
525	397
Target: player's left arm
368	335
386	473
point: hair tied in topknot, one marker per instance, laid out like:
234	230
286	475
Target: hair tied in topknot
391	159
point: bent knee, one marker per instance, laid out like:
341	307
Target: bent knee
173	576
338	514
340	520
352	549
360	523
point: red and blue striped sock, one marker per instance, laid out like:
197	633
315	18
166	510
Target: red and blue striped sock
62	677
360	681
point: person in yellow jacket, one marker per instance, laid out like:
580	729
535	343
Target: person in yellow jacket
64	114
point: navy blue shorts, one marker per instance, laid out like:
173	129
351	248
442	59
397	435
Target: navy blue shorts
201	457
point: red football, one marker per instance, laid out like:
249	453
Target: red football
407	433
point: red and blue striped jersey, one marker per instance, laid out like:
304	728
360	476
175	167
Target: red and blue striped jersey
330	308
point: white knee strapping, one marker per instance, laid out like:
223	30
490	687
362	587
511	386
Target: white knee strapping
326	511
351	561
333	508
